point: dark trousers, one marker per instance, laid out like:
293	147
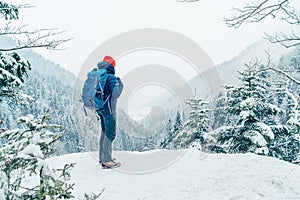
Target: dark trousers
108	134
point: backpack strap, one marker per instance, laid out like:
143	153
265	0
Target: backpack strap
106	99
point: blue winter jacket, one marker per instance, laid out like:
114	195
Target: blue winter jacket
112	89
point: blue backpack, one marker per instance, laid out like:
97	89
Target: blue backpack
93	89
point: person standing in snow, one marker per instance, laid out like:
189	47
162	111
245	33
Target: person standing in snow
107	115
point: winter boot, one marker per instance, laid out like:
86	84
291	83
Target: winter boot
110	165
113	159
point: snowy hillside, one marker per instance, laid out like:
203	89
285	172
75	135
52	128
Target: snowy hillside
177	175
256	51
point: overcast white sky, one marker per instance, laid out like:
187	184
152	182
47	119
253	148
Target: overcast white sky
92	22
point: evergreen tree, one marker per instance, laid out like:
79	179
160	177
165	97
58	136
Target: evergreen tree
220	115
294	62
169	127
169	134
252	116
197	124
8	11
178	123
23	170
286	145
177	127
13	70
24	174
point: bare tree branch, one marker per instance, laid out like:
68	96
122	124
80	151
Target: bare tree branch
285	40
39	38
282	73
272	67
19	30
257	11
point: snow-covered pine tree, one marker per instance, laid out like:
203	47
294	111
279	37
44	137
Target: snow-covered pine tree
169	127
23	170
177	127
220	115
286	145
294	61
177	124
250	113
24	174
169	134
13	70
197	124
8	11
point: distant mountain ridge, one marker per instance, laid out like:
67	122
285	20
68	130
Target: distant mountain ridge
255	51
209	88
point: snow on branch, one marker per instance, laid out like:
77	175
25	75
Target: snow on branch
282	73
38	38
294	116
13	70
9	11
257	11
285	40
272	67
15	80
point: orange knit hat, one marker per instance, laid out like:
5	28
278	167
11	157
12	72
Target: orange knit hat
110	60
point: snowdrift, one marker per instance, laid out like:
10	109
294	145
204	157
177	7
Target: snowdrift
184	174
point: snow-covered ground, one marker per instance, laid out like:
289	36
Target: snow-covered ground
189	174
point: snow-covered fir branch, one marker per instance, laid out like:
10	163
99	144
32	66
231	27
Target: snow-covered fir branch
23	170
